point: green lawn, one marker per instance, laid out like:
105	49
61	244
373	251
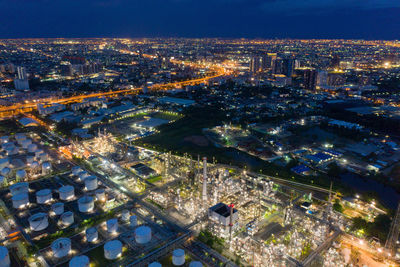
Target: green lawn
154	179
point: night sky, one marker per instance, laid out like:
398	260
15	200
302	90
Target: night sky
365	19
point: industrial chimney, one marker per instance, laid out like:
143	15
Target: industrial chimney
204	193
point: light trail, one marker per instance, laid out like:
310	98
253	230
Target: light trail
19	108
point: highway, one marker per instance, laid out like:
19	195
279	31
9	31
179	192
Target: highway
19	108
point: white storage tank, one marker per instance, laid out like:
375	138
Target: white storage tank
91	183
43	196
4	139
133	220
86	204
17	188
25	143
21	174
7	145
20	136
38	152
38	221
32	148
20	200
112	249
66	192
82	175
4	257
178	257
125	215
76	170
195	264
5	171
4	162
143	234
67	218
155	264
43	157
61	247
58	208
46	167
101	194
11	151
35	165
92	234
30	159
79	261
112	225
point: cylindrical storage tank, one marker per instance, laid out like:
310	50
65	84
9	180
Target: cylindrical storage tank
155	264
46	167
125	215
112	225
4	257
17	188
91	183
43	157
86	204
195	264
76	170
61	247
32	148
25	143
38	221
82	175
67	218
101	194
35	165
20	136
58	208
20	200
178	257
4	139
133	220
92	234
143	234
66	192
43	196
4	162
11	151
5	171
38	152
30	159
21	174
7	145
79	261
112	249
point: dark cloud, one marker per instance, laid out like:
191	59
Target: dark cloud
371	19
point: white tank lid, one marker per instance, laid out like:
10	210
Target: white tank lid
178	252
79	261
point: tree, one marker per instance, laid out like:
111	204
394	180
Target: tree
359	223
379	227
337	207
66	127
333	170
